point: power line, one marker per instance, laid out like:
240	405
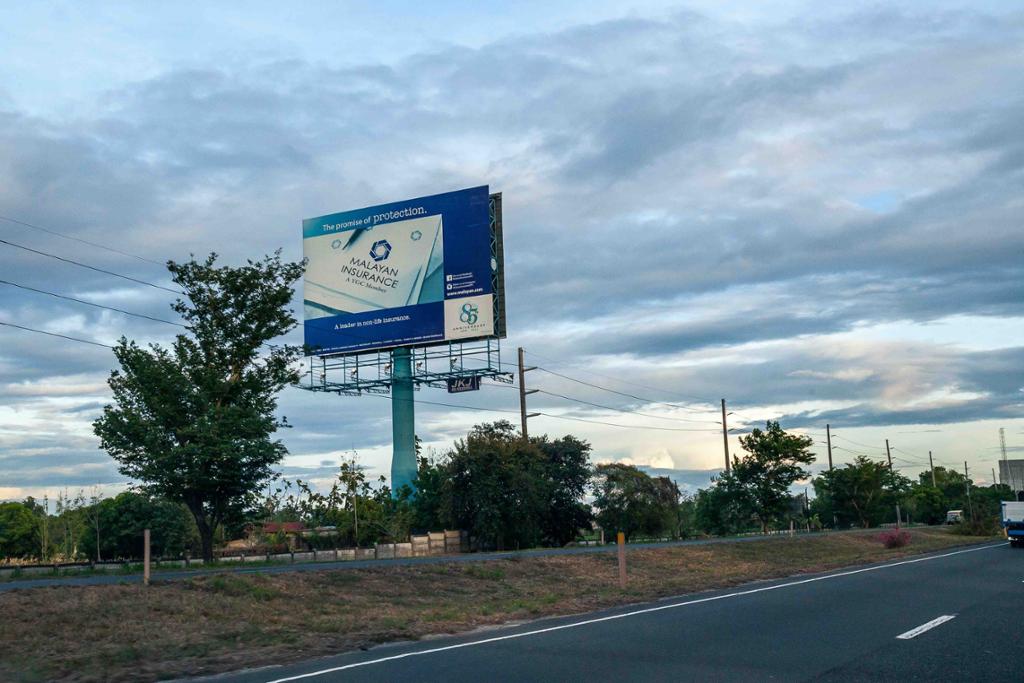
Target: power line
612	424
93	268
620	410
437	403
620	393
856	443
643	386
516	412
348	335
79	239
54	334
622	381
89	303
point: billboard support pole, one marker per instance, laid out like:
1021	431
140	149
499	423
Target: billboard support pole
403	421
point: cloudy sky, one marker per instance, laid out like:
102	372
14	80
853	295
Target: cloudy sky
816	215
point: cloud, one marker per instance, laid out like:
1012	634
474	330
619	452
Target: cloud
717	206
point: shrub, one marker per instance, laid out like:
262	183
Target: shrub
978	525
897	538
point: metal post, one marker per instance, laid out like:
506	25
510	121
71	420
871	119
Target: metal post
828	438
145	557
725	437
403	422
621	540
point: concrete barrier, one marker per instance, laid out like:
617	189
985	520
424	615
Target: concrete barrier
436	542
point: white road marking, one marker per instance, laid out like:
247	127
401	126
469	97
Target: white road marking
577	624
915	632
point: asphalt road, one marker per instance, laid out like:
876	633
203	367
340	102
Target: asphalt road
241	568
959	613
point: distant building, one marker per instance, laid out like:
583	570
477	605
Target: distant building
1011	473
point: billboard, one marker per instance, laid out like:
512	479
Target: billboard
409	273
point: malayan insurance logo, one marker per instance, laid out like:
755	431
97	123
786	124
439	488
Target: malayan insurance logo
380	250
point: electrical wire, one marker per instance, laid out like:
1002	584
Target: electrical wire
621	393
89	303
79	239
617	379
54	334
93	268
620	410
611	424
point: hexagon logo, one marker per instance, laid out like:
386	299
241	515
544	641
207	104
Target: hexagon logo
380	250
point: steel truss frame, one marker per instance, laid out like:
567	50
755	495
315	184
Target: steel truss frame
358	373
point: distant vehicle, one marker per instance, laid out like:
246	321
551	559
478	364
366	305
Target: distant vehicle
954	516
1013	523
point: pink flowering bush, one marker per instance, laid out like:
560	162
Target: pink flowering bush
896	538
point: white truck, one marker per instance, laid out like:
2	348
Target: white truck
1013	523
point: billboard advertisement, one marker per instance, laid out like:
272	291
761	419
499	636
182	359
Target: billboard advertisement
408	273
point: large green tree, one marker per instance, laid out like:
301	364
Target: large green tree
633	502
19	531
495	487
567	474
760	480
195	422
122	520
863	492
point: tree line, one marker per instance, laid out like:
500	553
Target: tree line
511	493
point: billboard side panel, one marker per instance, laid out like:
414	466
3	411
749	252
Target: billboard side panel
497	265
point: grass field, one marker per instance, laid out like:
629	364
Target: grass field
224	622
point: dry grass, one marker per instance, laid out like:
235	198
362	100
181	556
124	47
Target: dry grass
225	622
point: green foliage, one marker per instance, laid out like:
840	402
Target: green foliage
977	525
631	501
567	473
722	508
773	463
756	489
19	531
123	519
862	493
927	503
495	487
194	422
430	491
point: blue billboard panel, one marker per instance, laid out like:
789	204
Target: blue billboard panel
407	273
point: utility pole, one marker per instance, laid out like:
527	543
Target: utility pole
725	438
1006	464
931	464
967	483
523	393
891	470
828	438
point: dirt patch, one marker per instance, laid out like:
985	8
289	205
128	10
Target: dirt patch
219	623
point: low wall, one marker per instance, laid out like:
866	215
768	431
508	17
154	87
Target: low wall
435	543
